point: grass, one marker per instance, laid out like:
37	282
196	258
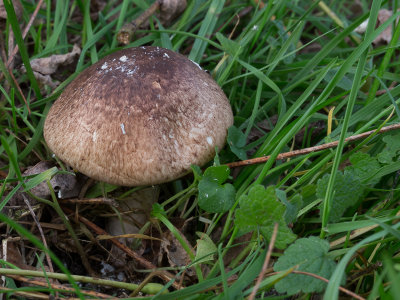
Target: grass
291	70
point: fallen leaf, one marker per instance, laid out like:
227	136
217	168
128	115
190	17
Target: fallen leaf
386	36
46	66
3	13
177	256
65	185
49	65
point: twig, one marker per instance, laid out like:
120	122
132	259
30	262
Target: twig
346	291
28	26
125	34
96	201
148	265
59	287
19	89
266	262
342	289
259	160
40	230
98	281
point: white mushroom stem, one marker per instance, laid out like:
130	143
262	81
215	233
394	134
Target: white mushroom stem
134	213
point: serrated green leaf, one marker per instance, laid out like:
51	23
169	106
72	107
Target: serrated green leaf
310	254
214	196
295	203
292	207
262	209
365	167
308	194
237	140
391	150
205	248
348	189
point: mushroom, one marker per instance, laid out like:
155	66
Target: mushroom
140	116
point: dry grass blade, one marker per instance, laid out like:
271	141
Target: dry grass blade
26	200
266	262
27	295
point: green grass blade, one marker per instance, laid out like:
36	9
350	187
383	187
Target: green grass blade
22	47
206	29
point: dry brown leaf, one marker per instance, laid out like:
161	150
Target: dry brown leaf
386	36
3	14
177	256
44	67
65	185
49	65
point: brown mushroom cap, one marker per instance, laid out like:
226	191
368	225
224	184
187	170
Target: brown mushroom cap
139	116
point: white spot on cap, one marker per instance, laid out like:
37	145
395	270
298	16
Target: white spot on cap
104	66
209	140
94	137
123	58
166	55
123	128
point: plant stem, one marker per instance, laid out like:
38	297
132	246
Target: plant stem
152	288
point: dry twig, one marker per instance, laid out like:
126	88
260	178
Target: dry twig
266	262
167	276
259	160
125	34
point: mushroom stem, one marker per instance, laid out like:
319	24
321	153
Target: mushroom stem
125	34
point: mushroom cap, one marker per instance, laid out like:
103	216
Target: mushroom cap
139	116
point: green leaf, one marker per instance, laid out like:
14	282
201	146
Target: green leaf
205	248
310	254
292	207
217	173
262	209
214	196
391	150
365	167
295	204
237	140
347	191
